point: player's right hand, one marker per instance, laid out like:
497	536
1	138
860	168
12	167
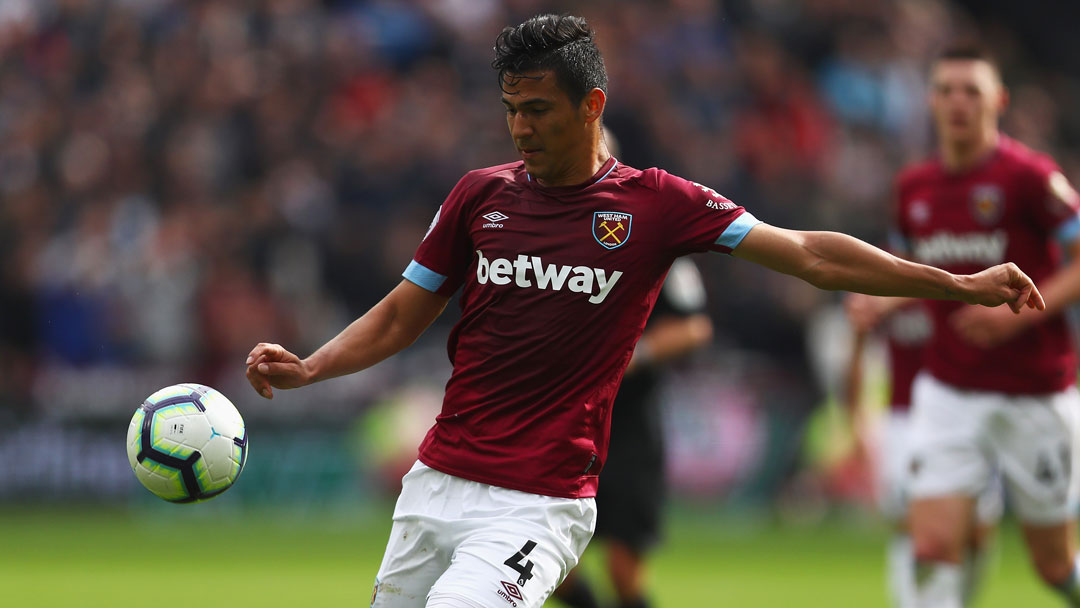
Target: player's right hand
270	366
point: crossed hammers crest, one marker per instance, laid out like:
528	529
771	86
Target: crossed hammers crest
611	231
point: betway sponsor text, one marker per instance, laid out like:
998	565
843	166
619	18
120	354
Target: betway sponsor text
530	272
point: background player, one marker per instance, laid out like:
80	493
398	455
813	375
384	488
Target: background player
906	327
999	392
633	486
560	256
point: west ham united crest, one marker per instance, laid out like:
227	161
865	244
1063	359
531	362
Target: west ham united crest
987	204
611	228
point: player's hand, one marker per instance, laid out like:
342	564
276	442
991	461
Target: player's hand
865	311
1004	284
270	366
987	327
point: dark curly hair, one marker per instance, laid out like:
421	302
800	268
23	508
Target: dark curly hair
562	44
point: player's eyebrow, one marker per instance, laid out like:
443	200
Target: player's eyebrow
529	103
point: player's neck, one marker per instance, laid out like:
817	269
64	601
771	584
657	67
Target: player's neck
958	157
583	171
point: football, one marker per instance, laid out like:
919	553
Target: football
187	443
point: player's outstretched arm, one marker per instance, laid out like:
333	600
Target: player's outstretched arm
835	261
390	326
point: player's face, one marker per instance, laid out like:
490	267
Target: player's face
966	98
549	131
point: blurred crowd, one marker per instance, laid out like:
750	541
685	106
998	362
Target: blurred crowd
180	179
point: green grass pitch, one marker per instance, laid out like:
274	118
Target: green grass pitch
217	555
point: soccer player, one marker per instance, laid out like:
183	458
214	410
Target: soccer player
998	391
632	487
560	257
906	327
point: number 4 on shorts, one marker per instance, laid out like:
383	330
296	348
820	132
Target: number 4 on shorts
523	569
1046	472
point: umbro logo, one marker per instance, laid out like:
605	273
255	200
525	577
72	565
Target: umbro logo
510	593
494	219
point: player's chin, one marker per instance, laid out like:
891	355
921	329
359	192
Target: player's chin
960	134
536	169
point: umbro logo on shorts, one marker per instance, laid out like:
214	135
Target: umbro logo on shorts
510	593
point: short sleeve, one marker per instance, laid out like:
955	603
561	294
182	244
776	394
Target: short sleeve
444	255
1056	204
699	219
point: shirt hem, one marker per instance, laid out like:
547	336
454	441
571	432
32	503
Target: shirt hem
509	485
1038	388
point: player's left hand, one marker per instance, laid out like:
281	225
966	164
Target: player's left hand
1004	284
865	311
988	327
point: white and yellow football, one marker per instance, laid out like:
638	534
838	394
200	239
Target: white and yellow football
187	443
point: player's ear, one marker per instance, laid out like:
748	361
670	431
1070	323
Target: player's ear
1003	100
593	105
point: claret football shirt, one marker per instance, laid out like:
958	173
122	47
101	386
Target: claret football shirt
557	283
1014	207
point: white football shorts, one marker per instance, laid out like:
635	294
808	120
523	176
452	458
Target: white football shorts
478	545
960	437
894	471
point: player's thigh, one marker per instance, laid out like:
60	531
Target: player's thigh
1035	438
413	561
517	562
1052	549
418	551
941	526
949	452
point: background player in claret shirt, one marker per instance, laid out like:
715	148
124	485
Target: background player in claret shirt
999	390
559	257
631	495
906	327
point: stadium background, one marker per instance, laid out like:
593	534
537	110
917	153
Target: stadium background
179	180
